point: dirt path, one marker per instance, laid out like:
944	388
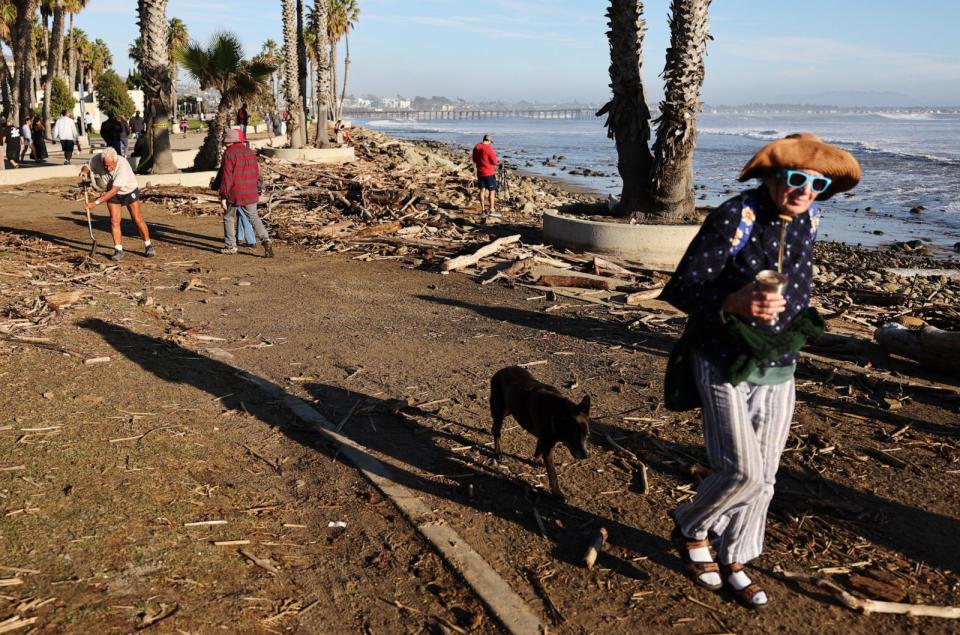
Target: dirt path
117	457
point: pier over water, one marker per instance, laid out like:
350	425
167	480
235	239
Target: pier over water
428	115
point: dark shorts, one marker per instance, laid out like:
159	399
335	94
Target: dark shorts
125	199
487	182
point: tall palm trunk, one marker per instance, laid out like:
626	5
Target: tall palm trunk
155	68
54	55
671	181
333	79
292	83
302	69
208	158
323	76
173	86
7	85
71	71
346	75
22	57
628	117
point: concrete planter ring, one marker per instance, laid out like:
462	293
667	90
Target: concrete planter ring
654	246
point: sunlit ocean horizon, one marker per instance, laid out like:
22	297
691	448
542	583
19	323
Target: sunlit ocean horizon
909	159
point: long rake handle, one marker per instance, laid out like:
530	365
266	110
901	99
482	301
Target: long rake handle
86	208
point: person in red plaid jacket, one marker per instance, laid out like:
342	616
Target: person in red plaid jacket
238	182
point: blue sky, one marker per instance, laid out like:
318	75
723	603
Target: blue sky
556	50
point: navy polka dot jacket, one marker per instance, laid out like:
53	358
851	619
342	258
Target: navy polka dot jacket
716	264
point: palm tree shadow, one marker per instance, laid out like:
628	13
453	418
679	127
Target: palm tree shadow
491	492
590	329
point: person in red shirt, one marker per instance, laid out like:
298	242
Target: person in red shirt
238	182
486	161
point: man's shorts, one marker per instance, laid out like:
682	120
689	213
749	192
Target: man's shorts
125	199
487	182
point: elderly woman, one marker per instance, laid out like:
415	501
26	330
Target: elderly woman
738	353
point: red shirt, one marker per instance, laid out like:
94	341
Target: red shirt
240	175
485	159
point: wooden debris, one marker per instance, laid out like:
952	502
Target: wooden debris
594	548
634	299
870	606
264	563
60	301
552	277
487	250
15	623
930	346
96	360
148	619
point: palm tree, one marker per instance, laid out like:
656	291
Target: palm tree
8	14
291	71
72	7
628	117
270	53
177	38
23	56
155	68
135	52
319	29
671	180
54	56
343	15
220	65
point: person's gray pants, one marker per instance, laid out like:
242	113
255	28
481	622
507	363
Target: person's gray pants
230	224
745	428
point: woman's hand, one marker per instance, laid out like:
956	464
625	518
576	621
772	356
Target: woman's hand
753	304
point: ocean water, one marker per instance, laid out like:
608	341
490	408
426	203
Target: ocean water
908	159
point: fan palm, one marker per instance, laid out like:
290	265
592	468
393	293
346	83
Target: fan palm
72	7
270	53
671	181
155	69
342	16
177	38
291	73
628	118
220	65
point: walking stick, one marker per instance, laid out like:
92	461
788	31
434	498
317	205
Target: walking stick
86	207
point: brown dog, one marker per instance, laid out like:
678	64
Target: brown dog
543	412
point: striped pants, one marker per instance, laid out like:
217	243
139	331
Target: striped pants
745	428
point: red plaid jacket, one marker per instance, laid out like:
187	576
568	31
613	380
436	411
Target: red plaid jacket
241	172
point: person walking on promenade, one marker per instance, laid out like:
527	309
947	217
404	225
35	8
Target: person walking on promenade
485	160
26	133
14	142
124	136
88	122
39	152
243	118
746	281
112	131
112	175
136	126
238	183
65	132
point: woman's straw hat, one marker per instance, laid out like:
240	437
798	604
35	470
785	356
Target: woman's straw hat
805	151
